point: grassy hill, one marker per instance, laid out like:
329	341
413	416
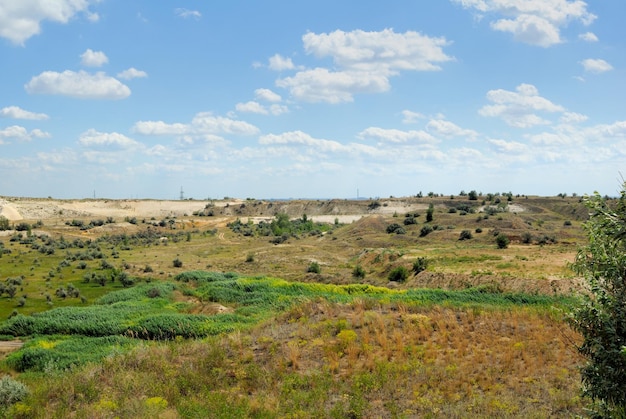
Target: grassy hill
286	309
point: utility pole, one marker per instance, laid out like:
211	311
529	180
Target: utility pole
182	194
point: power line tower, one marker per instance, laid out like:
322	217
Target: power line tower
182	194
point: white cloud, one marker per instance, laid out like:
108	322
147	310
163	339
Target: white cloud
16	112
203	124
301	138
93	138
21	19
588	37
92	58
80	85
518	108
131	73
276	109
185	13
16	132
535	22
364	62
596	66
573	117
409	117
267	95
396	136
322	85
159	128
507	147
381	52
449	129
280	63
251	107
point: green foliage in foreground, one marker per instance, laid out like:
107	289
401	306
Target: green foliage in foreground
63	337
601	319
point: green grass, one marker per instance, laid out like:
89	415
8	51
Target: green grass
149	312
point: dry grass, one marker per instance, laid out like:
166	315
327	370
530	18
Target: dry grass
329	360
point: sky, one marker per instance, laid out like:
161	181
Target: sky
327	99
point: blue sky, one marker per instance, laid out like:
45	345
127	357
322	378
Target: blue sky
287	99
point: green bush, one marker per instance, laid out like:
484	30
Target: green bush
426	230
11	391
358	272
177	263
314	267
502	241
398	274
420	264
465	235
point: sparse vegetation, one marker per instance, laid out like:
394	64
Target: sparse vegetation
202	341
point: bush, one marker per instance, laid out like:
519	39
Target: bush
392	228
11	391
600	318
177	263
358	272
314	267
465	235
398	274
502	241
426	230
527	237
420	264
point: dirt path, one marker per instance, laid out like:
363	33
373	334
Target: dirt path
8	346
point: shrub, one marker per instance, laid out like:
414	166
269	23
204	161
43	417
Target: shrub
409	221
600	317
398	274
502	241
314	267
426	230
478	230
358	272
527	237
4	223
250	257
465	235
429	213
567	223
392	228
420	264
11	391
177	263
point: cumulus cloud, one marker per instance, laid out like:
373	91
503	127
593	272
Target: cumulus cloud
535	22
364	62
396	135
131	73
16	112
596	66
410	117
186	13
280	63
16	132
81	85
449	129
20	20
92	58
251	107
507	147
518	109
322	85
267	95
93	138
202	124
588	37
301	138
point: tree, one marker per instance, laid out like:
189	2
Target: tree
4	223
601	316
429	213
502	241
